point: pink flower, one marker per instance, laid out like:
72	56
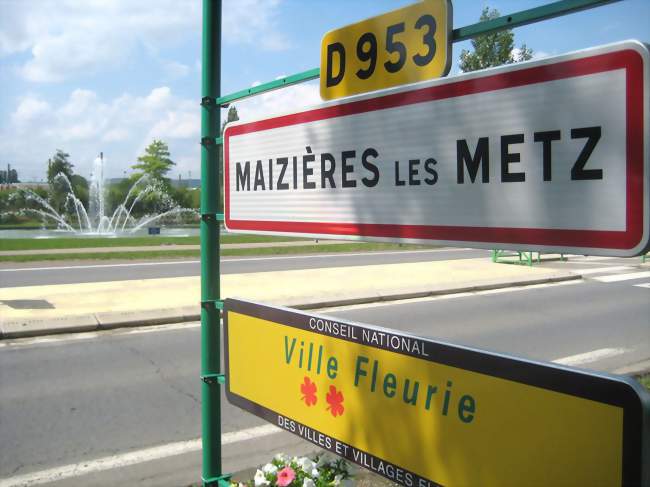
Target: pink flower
286	476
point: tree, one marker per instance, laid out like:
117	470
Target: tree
493	49
59	190
155	162
81	188
59	164
232	116
9	176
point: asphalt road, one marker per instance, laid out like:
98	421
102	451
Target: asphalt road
67	400
42	273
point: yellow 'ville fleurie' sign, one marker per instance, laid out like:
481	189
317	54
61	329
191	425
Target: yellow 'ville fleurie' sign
425	413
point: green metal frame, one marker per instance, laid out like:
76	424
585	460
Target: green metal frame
523	257
518	19
211	103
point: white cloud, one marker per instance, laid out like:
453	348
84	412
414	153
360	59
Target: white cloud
80	102
182	123
253	22
57	57
84	124
286	100
541	54
516	54
115	135
68	38
175	70
14	26
49	41
29	109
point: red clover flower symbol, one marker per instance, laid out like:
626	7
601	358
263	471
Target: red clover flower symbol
308	390
335	401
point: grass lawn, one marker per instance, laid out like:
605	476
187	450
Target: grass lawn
79	243
171	254
28	225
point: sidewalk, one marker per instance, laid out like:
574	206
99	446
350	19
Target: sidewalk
43	310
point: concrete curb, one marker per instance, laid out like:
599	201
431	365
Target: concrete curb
112	320
50	326
431	293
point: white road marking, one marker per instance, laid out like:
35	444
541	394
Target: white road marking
181	447
645	285
593	356
24	342
149	329
357	254
100	266
600	270
623	277
526	288
132	458
426	299
588	258
241	259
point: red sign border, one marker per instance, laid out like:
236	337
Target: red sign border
627	58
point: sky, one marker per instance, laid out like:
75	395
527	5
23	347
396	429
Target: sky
91	76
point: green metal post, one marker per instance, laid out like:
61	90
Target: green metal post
210	277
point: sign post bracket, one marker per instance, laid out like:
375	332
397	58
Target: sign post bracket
214	378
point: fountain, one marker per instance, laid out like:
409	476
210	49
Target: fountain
96	201
94	220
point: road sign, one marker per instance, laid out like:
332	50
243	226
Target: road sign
550	155
425	413
406	45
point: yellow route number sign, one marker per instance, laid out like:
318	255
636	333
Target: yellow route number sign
399	47
424	413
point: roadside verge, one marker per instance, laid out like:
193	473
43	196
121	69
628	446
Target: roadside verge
44	310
